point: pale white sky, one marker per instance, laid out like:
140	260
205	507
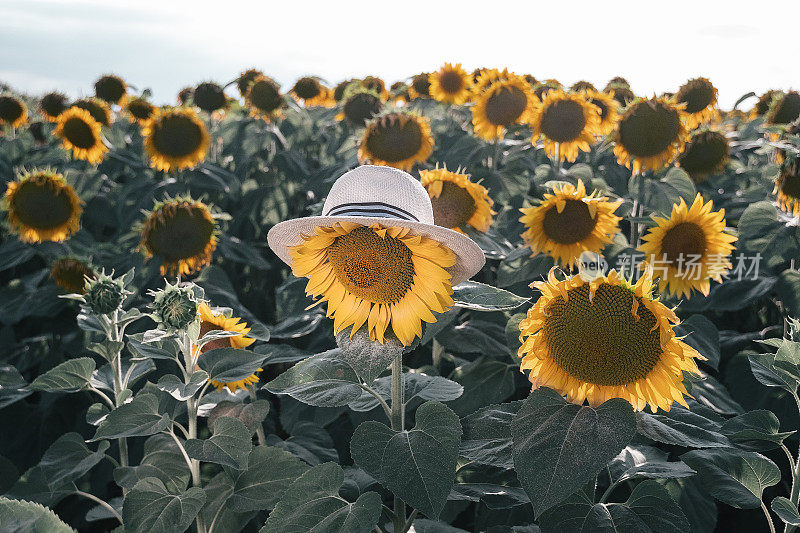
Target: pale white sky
740	45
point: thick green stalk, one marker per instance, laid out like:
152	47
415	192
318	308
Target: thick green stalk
116	367
398	424
191	413
262	439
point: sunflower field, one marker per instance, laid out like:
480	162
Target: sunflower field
621	354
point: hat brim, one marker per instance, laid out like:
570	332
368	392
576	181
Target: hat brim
469	256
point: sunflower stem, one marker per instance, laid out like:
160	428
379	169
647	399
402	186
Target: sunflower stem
191	412
262	439
769	518
116	368
398	424
557	161
634	225
794	496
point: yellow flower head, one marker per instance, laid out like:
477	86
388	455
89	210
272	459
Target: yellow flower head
53	104
13	111
650	134
787	186
97	108
608	109
245	79
396	140
457	202
139	110
705	154
264	98
567	121
311	93
70	274
80	133
175	139
42	206
784	109
111	89
420	86
451	84
699	97
210	321
503	104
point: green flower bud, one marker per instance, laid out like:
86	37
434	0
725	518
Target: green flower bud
104	295
175	307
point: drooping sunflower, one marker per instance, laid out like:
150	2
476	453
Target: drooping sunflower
53	104
568	122
139	110
622	94
264	98
210	321
787	186
111	89
42	206
582	86
311	93
616	81
209	97
450	84
705	154
457	202
764	102
70	274
608	107
396	140
13	111
650	134
605	338
175	139
80	133
504	103
544	87
398	92
184	95
570	222
245	79
375	275
376	85
784	109
341	87
360	106
97	108
183	232
689	249
699	97
420	86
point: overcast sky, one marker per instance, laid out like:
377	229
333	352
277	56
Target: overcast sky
164	45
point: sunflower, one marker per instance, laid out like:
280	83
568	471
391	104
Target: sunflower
787	186
705	154
396	140
784	109
111	89
312	93
763	104
70	274
13	111
341	87
139	110
616	81
690	248
567	121
97	108
209	97
360	106
622	94
264	98
605	338
457	201
399	92
450	84
582	86
209	321
376	85
42	206
375	275
245	79
568	223
183	232
504	103
608	107
184	95
650	134
52	104
80	133
700	98
175	139
420	86
532	81
542	88
487	77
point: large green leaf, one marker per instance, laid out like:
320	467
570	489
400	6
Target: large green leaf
757	431
250	414
417	465
659	194
230	445
150	508
482	297
69	376
702	335
270	471
322	380
646	462
786	511
559	446
28	517
138	418
230	364
179	390
367	357
485	382
312	505
68	458
162	459
487	435
681	427
520	267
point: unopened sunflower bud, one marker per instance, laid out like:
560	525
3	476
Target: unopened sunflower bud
104	294
175	307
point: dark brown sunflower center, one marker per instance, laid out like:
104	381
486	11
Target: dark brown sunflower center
649	129
787	110
96	110
453	207
53	104
209	97
573	224
623	95
42	205
601	105
307	88
244	81
790	180
361	107
140	109
563	121
69	275
110	88
683	241
762	106
177	135
265	96
705	154
375	269
10	109
600	341
421	84
394	139
79	133
205	327
450	81
504	107
697	95
179	233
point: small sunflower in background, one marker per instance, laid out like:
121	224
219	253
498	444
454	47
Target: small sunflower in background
699	97
81	133
542	88
486	78
111	89
398	92
41	206
582	86
13	111
705	154
622	94
264	98
245	79
650	134
375	275
617	81
175	139
376	85
311	93
209	97
569	222
605	338
420	86
185	95
341	87
360	105
53	104
97	108
181	231
764	102
568	123
396	140
450	84
608	109
139	110
457	201
784	109
211	321
70	274
505	103
787	186
689	249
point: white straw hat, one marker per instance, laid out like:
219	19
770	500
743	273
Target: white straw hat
372	194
